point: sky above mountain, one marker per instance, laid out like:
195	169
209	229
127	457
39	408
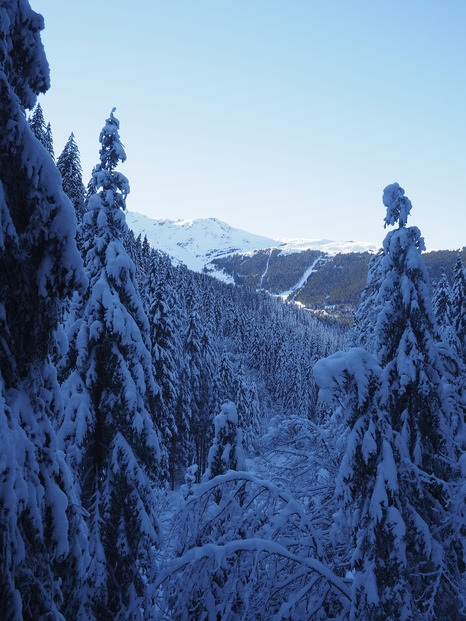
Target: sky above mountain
284	118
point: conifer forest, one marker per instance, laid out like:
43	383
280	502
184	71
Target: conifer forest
173	447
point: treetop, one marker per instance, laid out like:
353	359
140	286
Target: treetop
398	205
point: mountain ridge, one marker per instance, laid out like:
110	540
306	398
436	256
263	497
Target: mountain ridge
321	275
197	242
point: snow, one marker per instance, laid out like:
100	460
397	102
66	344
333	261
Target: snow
398	205
195	243
327	246
332	373
229	412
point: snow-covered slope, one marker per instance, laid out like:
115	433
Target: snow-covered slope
327	246
197	242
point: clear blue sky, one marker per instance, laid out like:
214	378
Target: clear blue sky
286	118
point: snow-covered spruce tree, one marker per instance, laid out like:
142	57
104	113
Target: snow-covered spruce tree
37	124
48	144
209	365
42	535
41	131
163	338
226	452
366	316
223	382
367	488
197	379
109	433
248	405
459	304
69	165
399	475
441	302
450	347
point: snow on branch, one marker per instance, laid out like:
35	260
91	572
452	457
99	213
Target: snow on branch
252	553
398	205
288	582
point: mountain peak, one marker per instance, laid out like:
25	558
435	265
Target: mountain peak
197	242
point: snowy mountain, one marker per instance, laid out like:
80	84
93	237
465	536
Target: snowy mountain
317	273
197	243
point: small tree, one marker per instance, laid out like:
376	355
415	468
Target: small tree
227	450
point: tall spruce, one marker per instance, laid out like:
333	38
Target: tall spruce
109	432
48	142
399	477
459	304
69	165
163	338
42	534
41	131
37	124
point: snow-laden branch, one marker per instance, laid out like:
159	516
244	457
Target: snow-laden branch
221	553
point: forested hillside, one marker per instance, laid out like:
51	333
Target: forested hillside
165	452
317	280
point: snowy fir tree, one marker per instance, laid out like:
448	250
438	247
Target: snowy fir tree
69	165
197	377
163	338
452	351
366	314
399	477
37	124
42	533
48	142
109	431
41	131
459	304
442	303
226	452
248	405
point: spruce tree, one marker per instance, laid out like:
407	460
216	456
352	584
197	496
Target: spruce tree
441	302
42	534
247	403
226	452
48	142
399	477
69	165
109	432
459	304
37	124
41	131
163	339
